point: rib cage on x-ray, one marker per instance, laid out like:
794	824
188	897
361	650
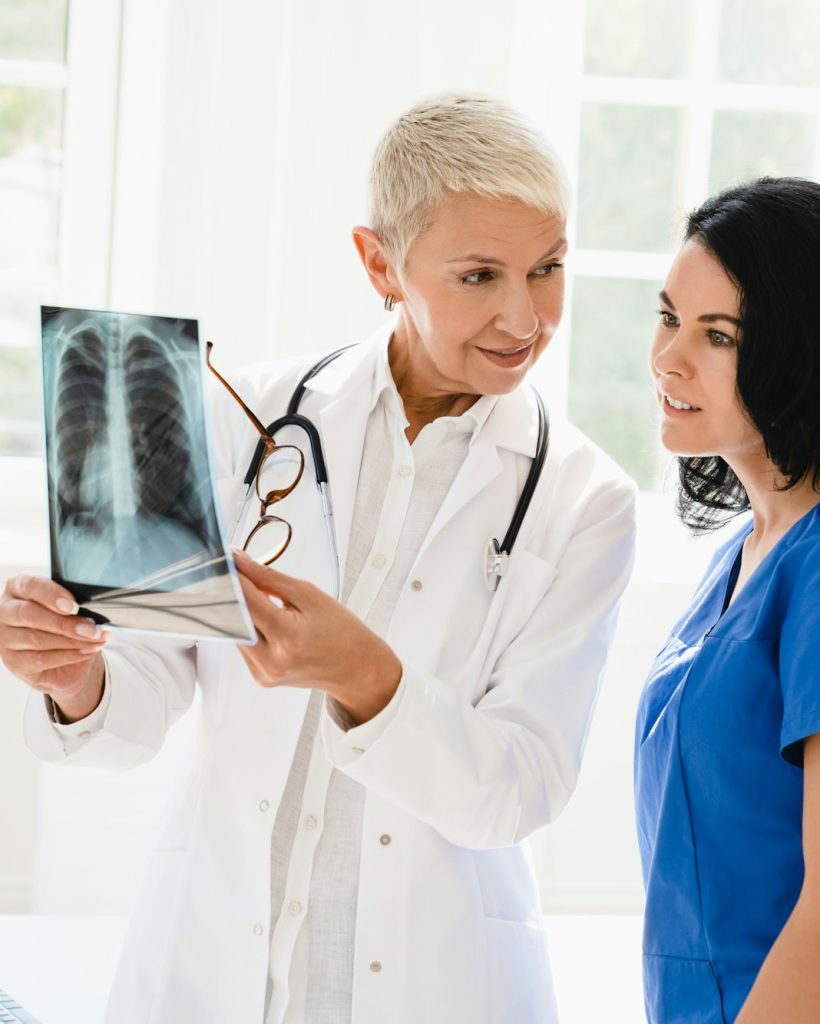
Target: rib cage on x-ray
161	440
134	523
80	421
117	458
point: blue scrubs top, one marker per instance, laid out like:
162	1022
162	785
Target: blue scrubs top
718	776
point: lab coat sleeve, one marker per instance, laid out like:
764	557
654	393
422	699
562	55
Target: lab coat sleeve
489	774
148	686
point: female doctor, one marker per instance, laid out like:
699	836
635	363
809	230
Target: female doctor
350	844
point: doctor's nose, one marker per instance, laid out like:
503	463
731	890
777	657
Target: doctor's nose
518	318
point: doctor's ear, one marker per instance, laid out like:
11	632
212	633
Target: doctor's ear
376	262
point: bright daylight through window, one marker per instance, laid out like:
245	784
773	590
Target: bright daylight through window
33	78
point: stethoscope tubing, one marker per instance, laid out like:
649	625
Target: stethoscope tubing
498	554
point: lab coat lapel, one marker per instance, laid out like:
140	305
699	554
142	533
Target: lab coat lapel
512	425
481	466
346	388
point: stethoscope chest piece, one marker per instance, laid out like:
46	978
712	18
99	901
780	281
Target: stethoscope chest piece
495	565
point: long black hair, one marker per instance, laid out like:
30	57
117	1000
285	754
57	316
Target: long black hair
766	236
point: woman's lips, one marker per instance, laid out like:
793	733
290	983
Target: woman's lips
673	413
510	357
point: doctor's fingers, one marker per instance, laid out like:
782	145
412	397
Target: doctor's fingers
273	622
31	665
24	616
14	638
41	591
288	589
263	664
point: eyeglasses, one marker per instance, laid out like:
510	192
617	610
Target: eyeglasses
279	471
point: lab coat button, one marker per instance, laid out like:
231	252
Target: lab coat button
258	929
405	471
375	967
295	908
310	822
263	805
416	585
379	561
385	840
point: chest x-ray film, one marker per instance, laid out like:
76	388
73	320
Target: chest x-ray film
135	529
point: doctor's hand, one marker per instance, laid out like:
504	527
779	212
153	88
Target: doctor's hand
49	647
312	641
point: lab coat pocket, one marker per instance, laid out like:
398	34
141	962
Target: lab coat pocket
523	587
678	990
494	620
518	973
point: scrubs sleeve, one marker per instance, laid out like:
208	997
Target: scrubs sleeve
800	657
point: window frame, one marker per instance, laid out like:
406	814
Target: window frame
90	77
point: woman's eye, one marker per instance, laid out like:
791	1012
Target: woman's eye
667	319
720	339
477	277
547	269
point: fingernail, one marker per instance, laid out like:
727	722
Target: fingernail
240	554
67	607
86	629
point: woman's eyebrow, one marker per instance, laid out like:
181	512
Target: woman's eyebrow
706	318
474	257
710	318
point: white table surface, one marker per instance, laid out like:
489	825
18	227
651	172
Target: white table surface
60	968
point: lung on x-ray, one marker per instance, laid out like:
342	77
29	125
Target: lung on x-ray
135	530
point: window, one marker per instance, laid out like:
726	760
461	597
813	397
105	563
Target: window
654	104
675	101
57	75
32	94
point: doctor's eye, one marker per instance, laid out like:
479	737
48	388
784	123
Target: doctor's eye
547	269
478	277
667	319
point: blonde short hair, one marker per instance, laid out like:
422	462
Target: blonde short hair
451	144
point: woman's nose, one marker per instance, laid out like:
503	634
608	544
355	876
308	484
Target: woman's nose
517	317
667	354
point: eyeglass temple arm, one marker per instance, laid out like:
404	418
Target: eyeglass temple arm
256	422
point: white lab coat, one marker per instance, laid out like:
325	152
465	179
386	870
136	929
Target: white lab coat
482	748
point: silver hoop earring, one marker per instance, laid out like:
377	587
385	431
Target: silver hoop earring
389	302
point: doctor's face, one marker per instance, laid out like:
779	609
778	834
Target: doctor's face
482	295
693	361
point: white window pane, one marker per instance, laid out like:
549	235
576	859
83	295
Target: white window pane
770	42
31	124
33	30
20	402
611	396
627	178
638	38
748	144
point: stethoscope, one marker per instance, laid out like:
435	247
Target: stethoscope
497	554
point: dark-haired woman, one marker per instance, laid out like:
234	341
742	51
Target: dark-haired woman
727	747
